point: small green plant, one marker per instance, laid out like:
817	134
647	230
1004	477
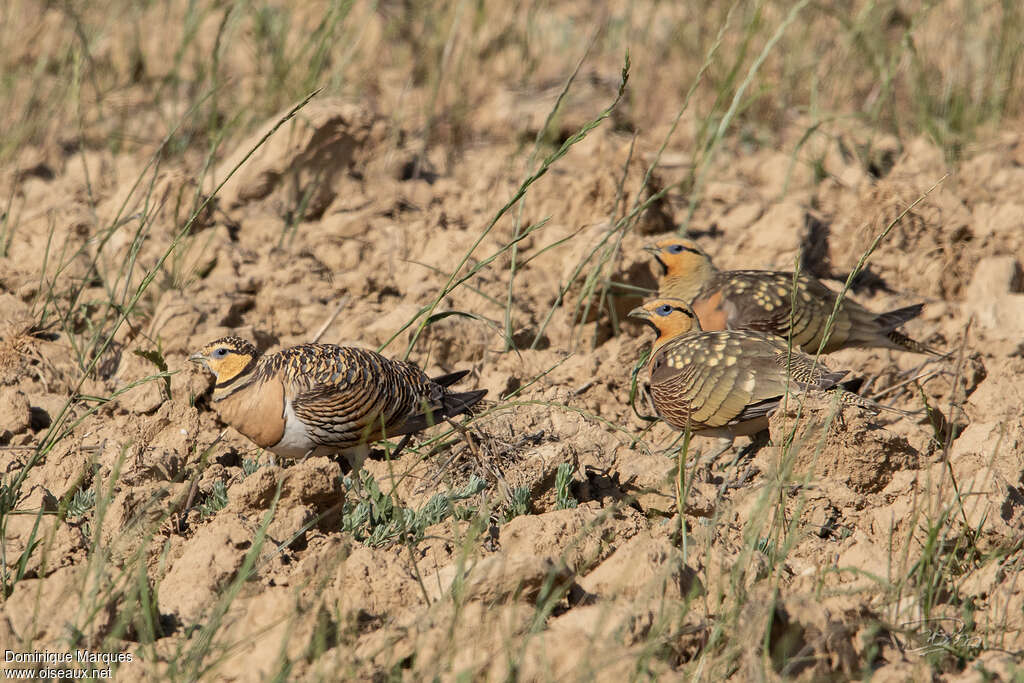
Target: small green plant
375	519
215	501
520	503
563	496
250	465
81	502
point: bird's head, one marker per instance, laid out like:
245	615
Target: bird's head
678	256
670	317
226	358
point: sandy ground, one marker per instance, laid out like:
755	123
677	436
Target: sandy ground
327	213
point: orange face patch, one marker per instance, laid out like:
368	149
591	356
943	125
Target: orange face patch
229	367
671	317
682	264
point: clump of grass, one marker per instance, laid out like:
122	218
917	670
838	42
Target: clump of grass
520	503
250	465
563	496
374	518
216	500
83	500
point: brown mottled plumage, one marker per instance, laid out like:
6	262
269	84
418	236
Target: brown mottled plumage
319	398
725	383
762	301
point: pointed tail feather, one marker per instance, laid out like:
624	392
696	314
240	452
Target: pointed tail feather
449	379
890	320
852	385
451	405
904	342
851	399
457	404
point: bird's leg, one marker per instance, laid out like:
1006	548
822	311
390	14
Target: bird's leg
401	446
707	461
725	443
757	442
355	457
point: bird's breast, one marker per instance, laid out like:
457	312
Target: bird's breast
257	411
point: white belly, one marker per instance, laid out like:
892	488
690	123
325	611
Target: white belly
295	442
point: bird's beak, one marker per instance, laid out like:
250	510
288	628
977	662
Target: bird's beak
640	312
197	358
656	253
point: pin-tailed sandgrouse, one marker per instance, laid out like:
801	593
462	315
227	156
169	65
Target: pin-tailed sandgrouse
763	301
725	383
320	398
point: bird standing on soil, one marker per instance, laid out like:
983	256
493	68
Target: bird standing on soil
763	301
725	383
313	399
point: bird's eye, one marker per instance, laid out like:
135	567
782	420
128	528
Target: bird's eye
220	353
675	249
663	309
